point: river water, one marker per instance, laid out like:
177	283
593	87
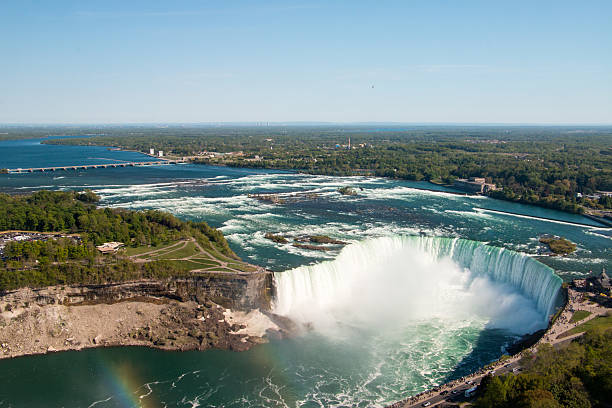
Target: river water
387	326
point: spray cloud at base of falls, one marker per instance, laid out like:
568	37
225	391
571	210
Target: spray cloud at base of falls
404	280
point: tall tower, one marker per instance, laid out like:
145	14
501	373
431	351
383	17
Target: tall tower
349	143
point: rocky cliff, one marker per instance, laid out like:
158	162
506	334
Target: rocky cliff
206	310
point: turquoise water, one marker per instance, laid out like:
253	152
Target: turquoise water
353	361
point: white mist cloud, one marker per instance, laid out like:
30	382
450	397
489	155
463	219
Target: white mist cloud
388	283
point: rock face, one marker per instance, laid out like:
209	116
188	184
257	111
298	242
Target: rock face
176	314
233	291
240	292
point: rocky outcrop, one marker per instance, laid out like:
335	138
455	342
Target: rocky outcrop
233	291
174	314
279	239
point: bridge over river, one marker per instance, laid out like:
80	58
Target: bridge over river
95	166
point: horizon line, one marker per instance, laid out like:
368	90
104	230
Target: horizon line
305	123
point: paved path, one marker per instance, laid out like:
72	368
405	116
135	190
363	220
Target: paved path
156	251
203	253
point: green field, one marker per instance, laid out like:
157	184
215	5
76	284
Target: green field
186	256
203	263
143	249
241	267
187	266
177	252
604	322
579	315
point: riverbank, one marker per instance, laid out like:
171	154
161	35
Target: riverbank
142	313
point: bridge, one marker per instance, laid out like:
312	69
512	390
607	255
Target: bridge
95	166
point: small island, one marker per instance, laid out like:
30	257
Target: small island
323	242
558	245
347	191
279	239
320	239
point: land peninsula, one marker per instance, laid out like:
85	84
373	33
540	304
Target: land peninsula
170	284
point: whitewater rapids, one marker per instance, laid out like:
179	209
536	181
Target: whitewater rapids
406	280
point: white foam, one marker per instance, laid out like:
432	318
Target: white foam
398	285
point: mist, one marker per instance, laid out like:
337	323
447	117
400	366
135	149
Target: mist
391	282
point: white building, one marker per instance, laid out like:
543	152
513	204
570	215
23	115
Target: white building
109	247
152	152
161	153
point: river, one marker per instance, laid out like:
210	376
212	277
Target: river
397	322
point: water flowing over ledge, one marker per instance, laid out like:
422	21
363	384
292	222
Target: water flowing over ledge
324	283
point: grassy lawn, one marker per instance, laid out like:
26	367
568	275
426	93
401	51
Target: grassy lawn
579	315
203	263
599	322
222	257
241	267
143	249
184	265
188	250
202	260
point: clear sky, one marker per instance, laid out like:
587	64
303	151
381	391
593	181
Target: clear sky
470	61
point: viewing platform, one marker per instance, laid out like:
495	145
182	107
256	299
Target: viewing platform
96	166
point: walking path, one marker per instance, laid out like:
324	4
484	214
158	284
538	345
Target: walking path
222	260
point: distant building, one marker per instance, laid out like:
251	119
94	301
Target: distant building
109	247
601	284
152	152
161	153
604	281
593	196
474	185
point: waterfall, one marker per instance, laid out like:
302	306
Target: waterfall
382	264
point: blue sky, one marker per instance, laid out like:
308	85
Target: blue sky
342	61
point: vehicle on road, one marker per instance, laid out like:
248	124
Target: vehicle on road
426	404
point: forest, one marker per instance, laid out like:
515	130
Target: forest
69	261
578	376
554	167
